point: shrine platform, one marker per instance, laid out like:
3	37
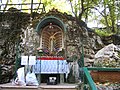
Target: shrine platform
43	86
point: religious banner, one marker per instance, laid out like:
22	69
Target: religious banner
32	60
24	60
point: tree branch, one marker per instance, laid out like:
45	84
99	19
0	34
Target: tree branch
72	8
82	11
6	5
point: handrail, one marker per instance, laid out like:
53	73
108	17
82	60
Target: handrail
23	4
103	69
89	79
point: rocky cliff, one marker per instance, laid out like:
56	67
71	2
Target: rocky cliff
18	36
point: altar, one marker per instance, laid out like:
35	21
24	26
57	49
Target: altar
51	50
52	66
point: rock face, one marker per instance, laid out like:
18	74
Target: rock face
18	36
11	25
107	51
108	56
6	73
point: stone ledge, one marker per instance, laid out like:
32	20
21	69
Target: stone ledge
40	87
9	85
60	86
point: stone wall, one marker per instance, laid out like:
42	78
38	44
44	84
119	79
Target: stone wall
18	27
11	25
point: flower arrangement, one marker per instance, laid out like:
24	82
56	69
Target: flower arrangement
42	52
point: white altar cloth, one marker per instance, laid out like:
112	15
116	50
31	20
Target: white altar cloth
51	67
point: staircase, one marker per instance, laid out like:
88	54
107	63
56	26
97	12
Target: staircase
9	86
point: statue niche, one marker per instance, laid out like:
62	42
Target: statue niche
52	39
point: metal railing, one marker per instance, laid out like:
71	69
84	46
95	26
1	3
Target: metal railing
103	69
30	7
88	81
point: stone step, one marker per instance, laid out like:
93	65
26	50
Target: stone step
60	87
41	87
10	87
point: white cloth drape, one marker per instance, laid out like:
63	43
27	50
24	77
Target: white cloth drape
51	66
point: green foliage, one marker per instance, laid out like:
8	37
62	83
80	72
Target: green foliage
107	63
106	12
103	32
102	11
73	58
60	5
47	2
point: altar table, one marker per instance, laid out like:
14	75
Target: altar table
51	65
